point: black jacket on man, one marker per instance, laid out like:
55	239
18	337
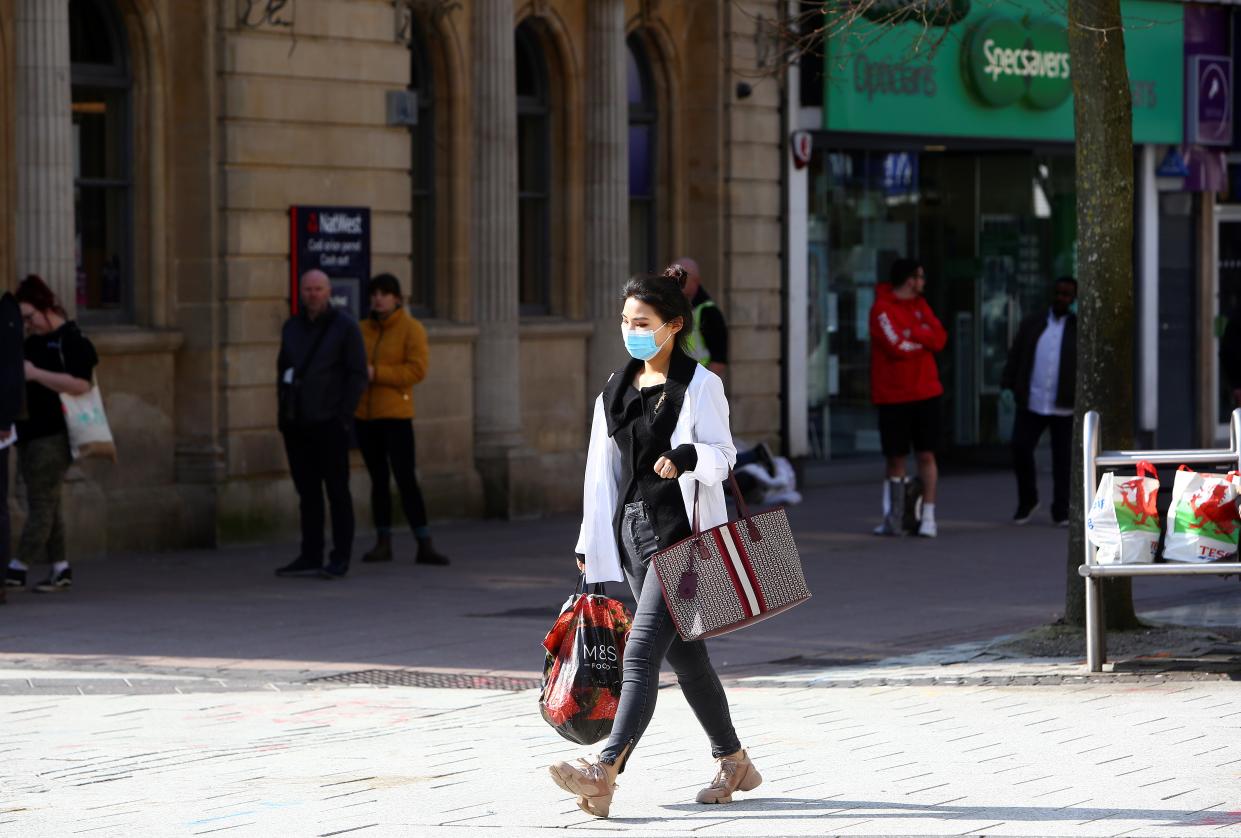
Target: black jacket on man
12	365
333	383
1020	366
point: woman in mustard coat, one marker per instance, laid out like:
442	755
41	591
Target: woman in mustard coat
396	358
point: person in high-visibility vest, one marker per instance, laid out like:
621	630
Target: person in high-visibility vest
708	342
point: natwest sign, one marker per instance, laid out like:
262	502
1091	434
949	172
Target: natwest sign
337	241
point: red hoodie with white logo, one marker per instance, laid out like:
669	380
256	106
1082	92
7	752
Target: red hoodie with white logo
904	337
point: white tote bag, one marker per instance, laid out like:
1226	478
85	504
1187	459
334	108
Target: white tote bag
1202	521
89	434
1123	522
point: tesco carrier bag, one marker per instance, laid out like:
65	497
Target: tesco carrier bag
1123	522
1202	521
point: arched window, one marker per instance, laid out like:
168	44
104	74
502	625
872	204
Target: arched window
422	179
643	115
534	173
103	160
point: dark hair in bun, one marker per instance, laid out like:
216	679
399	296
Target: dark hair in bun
662	292
677	274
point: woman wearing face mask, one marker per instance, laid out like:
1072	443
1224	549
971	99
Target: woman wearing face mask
59	359
660	432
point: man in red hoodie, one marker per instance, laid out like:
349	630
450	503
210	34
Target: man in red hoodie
904	383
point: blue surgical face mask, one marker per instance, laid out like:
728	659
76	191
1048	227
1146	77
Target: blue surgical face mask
641	343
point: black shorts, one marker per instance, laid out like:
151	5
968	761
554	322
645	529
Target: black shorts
909	424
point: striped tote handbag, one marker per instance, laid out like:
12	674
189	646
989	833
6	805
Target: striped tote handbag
733	575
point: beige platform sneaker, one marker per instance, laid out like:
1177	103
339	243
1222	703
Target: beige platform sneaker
735	773
593	783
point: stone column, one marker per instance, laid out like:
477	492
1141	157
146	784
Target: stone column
506	468
44	134
607	185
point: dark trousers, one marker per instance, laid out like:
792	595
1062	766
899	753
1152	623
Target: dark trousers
43	462
652	638
319	458
390	443
6	533
1027	430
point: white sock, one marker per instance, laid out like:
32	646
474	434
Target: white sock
887	500
58	567
18	564
928	512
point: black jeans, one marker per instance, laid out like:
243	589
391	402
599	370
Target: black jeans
1027	429
384	442
319	458
653	637
5	532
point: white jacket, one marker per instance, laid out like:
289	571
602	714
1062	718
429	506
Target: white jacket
703	422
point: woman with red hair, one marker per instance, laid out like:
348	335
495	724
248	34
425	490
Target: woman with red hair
59	359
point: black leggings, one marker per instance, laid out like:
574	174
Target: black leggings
653	637
385	441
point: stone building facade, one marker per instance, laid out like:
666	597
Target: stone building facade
154	147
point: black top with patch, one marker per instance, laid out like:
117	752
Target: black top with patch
642	422
712	327
64	350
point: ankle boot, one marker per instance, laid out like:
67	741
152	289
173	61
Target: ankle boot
734	773
591	781
427	554
381	552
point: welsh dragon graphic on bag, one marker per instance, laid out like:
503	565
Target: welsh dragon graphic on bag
1202	523
1123	521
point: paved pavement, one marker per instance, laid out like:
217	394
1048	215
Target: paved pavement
185	694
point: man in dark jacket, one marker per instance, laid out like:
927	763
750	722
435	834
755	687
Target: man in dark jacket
1040	376
12	395
321	372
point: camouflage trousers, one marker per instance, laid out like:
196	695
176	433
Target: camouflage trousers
42	463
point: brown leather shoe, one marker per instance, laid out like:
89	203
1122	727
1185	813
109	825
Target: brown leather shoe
735	773
591	781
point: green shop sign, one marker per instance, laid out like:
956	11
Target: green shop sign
994	70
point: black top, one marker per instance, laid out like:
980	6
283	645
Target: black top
1019	368
1230	350
712	327
642	422
64	350
12	367
334	383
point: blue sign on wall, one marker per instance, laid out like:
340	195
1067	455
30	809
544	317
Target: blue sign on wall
337	241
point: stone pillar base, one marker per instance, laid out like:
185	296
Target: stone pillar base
512	483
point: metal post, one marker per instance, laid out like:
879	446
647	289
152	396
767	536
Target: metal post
1234	435
1096	649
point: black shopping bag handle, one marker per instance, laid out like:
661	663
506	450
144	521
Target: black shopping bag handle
597	588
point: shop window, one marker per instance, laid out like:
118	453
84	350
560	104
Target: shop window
422	180
103	161
534	173
643	118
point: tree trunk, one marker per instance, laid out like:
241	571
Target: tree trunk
1103	118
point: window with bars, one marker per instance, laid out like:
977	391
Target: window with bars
103	161
643	119
422	284
534	173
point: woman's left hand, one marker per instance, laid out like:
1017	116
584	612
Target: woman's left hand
32	372
665	469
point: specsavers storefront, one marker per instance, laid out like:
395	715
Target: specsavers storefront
952	145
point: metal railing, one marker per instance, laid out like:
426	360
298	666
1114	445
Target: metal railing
1093	460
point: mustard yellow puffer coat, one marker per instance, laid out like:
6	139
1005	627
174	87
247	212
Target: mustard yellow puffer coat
396	347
